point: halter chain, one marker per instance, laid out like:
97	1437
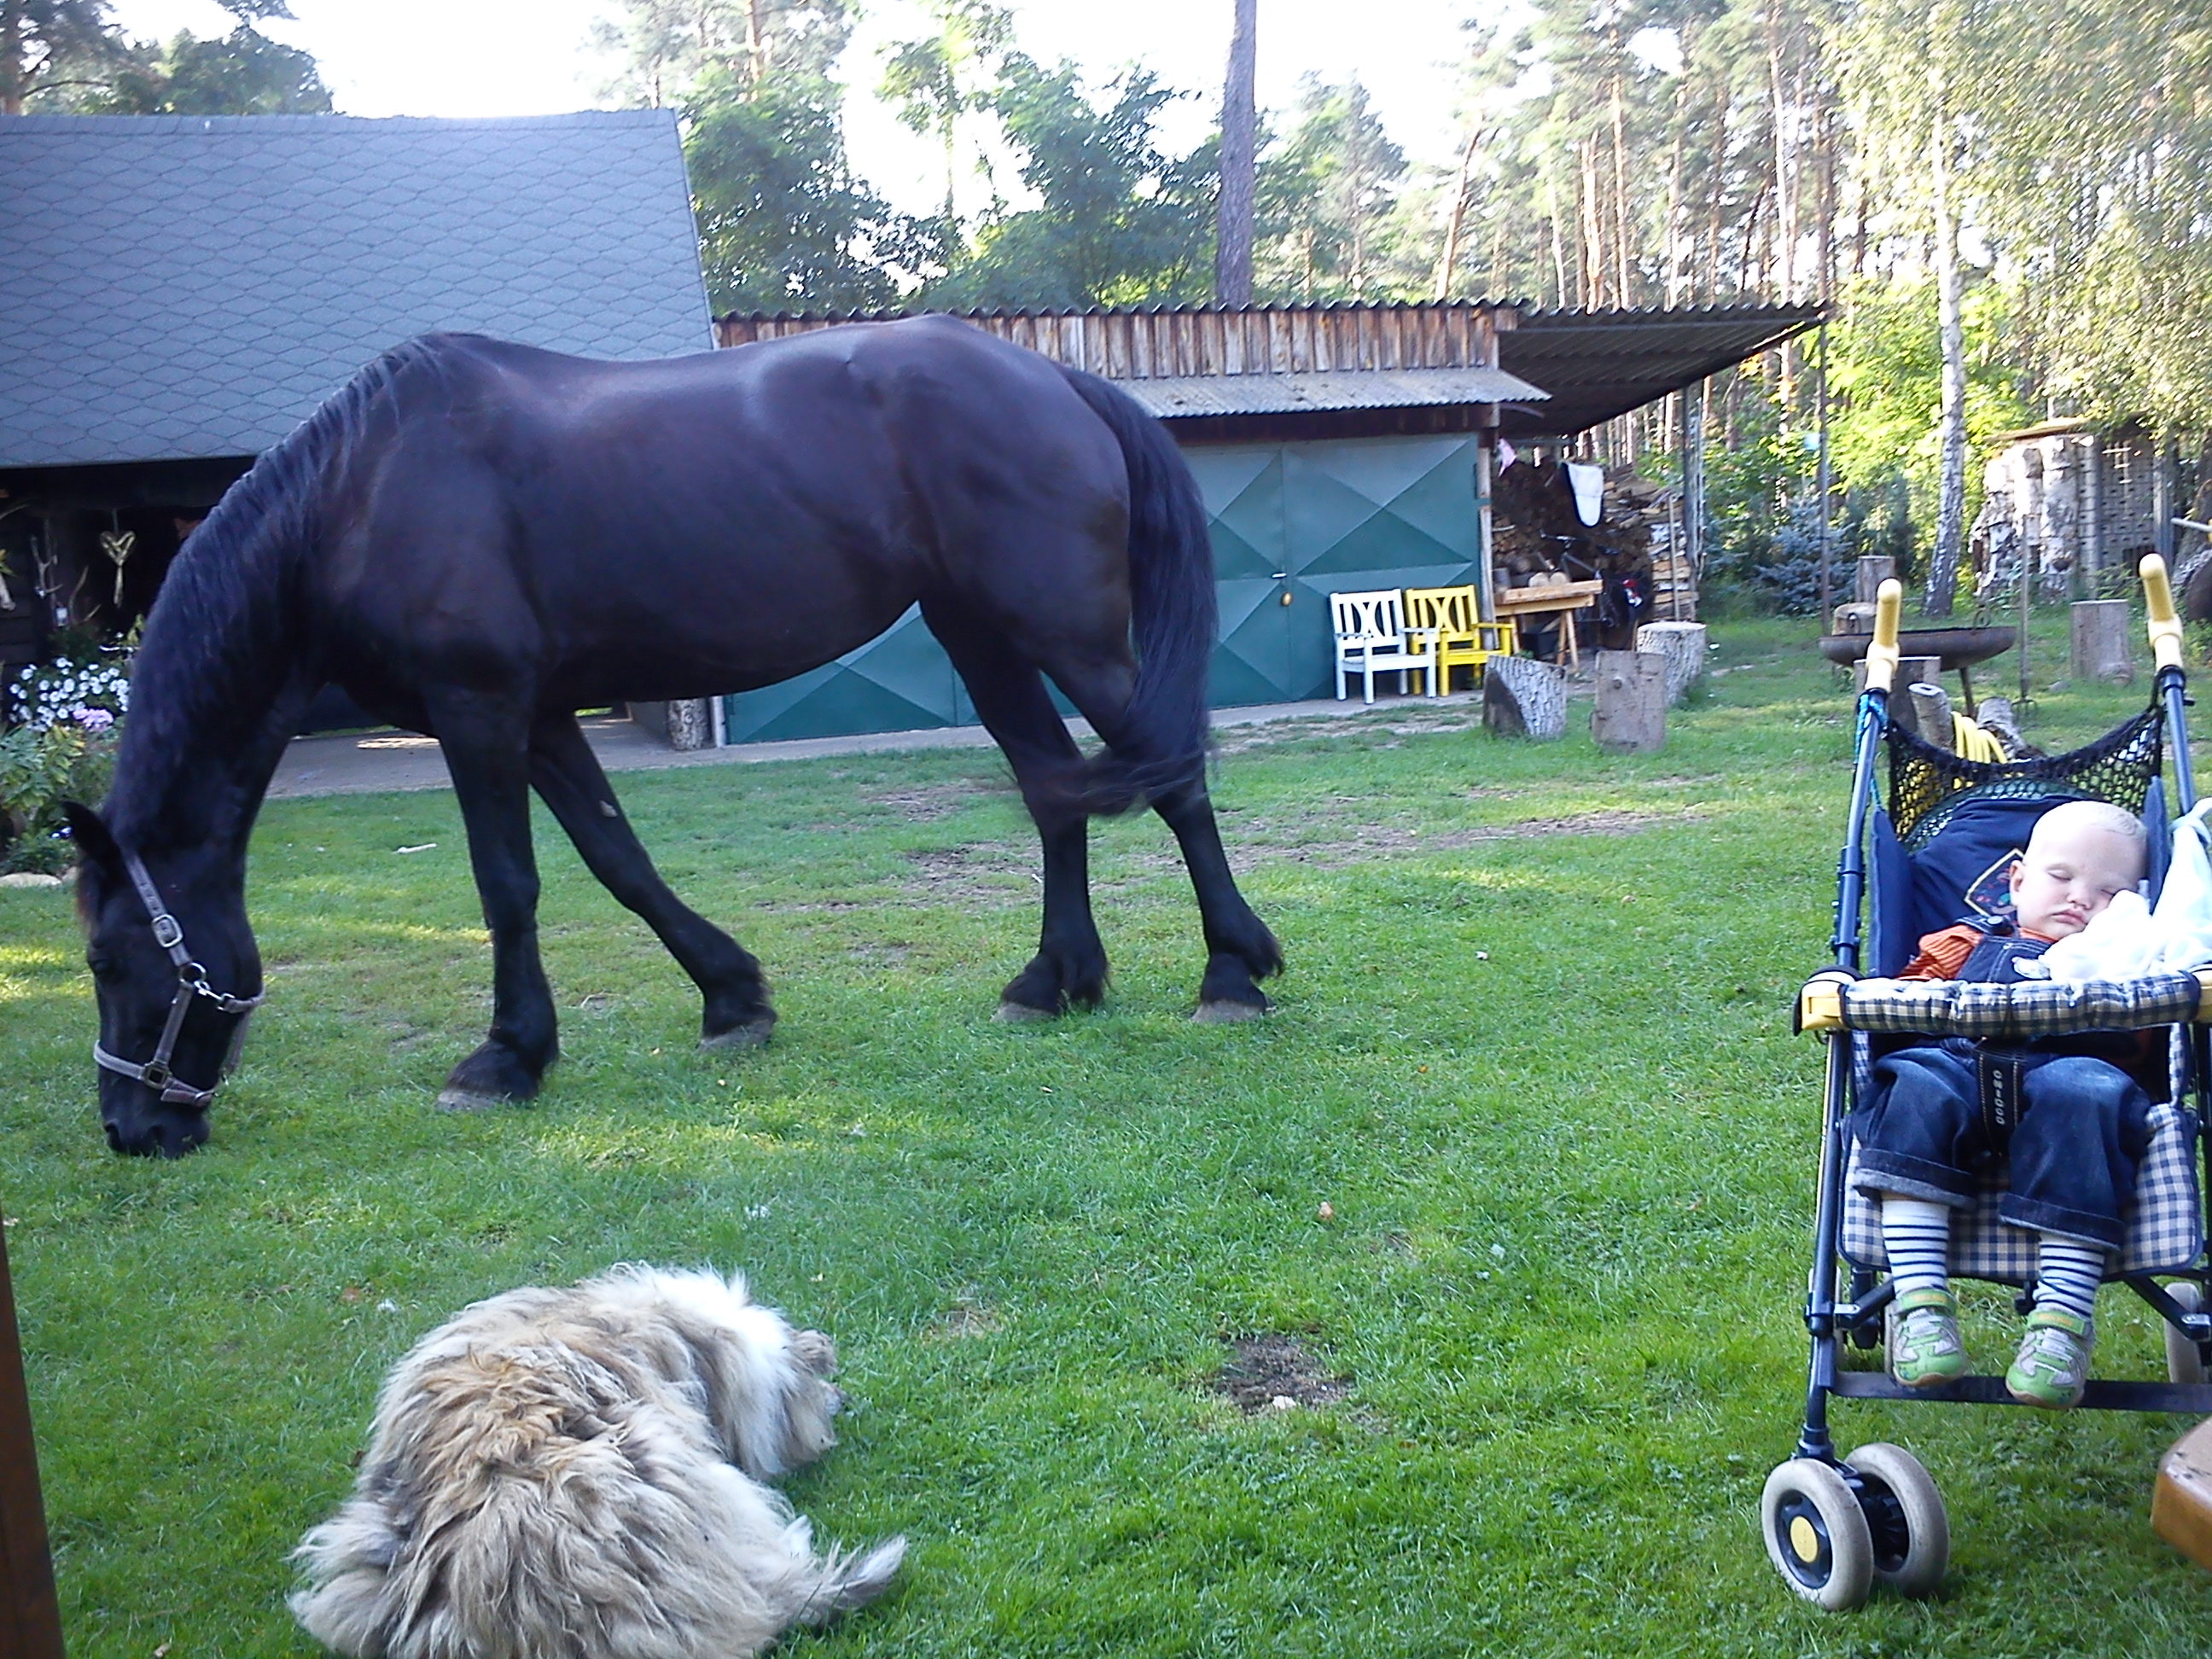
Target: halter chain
191	981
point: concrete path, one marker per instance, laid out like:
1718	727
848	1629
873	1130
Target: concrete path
358	764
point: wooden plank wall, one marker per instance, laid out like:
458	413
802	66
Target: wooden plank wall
1140	345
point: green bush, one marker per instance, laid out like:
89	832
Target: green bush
40	768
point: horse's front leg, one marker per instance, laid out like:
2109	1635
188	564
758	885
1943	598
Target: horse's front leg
487	751
570	780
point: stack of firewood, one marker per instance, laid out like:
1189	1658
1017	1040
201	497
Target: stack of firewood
1536	532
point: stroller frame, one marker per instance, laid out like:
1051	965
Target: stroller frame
1836	1526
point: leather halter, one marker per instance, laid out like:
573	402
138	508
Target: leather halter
191	981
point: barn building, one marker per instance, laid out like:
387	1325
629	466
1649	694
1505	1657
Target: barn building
178	292
1337	446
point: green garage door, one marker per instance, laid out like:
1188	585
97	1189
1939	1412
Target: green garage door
1292	524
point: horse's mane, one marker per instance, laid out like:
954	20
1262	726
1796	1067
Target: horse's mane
221	640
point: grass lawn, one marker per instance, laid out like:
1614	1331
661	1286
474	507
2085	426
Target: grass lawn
1533	1052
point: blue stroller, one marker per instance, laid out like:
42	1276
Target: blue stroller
1837	1526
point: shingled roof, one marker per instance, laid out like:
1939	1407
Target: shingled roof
177	287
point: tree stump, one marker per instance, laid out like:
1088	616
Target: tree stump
2181	1500
1523	697
1994	716
1931	714
1910	670
2100	642
691	724
1631	715
1682	645
1873	570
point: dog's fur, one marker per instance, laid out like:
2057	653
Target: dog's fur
576	1475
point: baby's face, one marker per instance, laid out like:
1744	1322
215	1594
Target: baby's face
2069	875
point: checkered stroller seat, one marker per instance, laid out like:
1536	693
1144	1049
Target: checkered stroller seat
1940	851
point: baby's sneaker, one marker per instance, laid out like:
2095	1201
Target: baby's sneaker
2052	1366
1925	1350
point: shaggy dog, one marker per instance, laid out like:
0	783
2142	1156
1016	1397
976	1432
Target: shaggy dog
575	1475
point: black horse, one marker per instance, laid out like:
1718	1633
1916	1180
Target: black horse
475	540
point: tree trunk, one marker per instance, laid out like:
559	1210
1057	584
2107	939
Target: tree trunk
1232	258
11	57
1456	223
1951	494
1624	247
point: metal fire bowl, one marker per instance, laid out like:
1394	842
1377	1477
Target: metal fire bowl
1959	647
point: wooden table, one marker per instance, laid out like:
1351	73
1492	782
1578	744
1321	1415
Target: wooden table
1563	599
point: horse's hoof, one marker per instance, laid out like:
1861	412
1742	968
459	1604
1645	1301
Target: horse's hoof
451	1099
1229	1014
1020	1013
750	1035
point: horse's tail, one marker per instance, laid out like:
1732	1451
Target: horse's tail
1160	741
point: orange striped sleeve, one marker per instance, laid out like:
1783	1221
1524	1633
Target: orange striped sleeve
1943	953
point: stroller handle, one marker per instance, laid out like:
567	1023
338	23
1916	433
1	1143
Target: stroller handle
1882	656
2164	620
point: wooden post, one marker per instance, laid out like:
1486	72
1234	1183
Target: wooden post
1523	697
1631	714
30	1614
1683	647
1874	571
2101	641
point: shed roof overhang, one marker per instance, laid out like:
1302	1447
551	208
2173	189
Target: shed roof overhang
1345	370
1597	364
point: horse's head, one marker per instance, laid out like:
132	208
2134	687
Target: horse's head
176	972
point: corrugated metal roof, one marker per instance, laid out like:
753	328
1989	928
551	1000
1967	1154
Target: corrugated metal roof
176	287
1598	364
1279	394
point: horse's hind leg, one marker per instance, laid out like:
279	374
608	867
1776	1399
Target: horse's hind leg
1239	949
570	781
1069	969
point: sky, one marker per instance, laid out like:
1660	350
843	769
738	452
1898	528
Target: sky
532	57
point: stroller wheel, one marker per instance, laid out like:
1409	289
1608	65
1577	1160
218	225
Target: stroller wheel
1911	1533
2184	1361
1816	1534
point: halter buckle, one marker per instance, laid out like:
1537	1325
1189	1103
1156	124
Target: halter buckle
168	931
156	1075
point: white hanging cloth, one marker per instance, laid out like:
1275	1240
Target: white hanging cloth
1586	480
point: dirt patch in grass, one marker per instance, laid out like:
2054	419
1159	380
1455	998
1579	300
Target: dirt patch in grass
1333	843
879	954
1400	722
968	1318
927	802
977	872
1263	1371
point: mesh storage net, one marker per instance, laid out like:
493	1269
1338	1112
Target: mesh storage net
1926	783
